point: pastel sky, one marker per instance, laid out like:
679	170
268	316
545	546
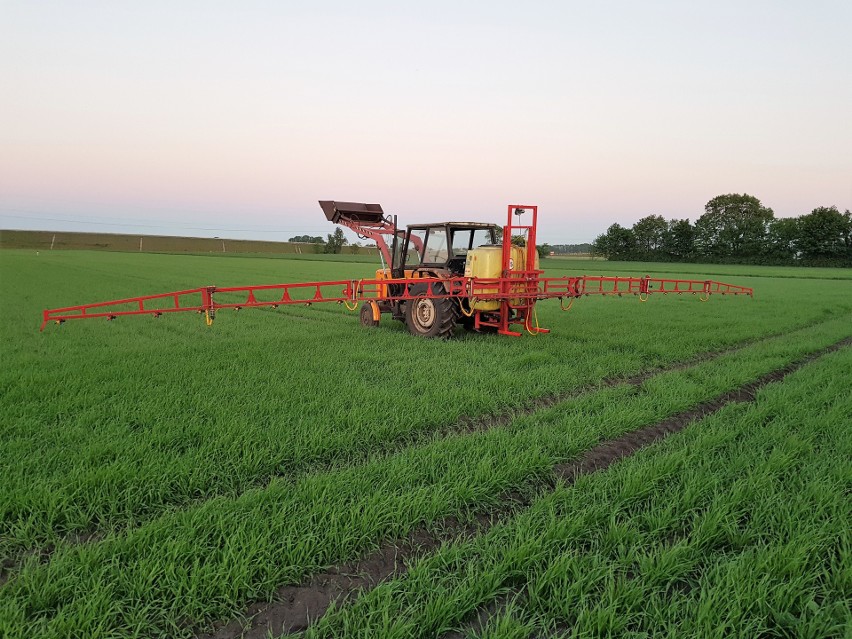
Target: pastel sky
233	118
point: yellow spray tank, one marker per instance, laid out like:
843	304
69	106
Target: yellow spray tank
487	262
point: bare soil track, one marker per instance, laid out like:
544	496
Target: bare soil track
295	607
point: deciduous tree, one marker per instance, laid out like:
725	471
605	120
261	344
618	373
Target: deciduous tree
733	225
825	233
336	241
618	243
649	234
781	238
679	240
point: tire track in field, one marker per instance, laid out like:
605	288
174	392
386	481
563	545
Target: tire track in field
12	563
608	452
463	425
484	422
296	607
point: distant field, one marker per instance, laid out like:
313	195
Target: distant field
576	256
60	240
162	478
600	267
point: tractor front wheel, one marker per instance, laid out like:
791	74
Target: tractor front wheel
366	315
429	316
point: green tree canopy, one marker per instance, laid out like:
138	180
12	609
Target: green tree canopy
618	243
735	228
732	226
678	240
781	238
649	233
825	233
336	241
310	239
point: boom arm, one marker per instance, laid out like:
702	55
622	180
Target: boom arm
516	291
351	292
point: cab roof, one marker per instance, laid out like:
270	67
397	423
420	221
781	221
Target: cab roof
455	225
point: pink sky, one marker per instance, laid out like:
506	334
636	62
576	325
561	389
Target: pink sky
237	118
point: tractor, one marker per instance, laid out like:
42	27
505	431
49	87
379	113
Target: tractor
432	277
438	251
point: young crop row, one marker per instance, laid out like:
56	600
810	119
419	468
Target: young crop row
127	474
107	426
206	562
738	526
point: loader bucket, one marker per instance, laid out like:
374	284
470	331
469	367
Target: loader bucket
366	214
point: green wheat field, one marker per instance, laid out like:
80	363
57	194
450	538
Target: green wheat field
159	476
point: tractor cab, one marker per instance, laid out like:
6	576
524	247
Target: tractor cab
441	248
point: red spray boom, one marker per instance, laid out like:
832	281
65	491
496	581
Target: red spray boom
512	295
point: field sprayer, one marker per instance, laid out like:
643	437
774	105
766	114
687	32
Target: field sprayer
433	277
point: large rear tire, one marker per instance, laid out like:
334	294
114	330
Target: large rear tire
428	316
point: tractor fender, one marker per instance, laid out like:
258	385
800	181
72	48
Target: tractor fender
377	314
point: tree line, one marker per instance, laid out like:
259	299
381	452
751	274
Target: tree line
735	229
571	249
335	242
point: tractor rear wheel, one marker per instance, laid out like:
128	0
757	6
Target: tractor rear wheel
428	316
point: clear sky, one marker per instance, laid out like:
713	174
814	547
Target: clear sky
234	118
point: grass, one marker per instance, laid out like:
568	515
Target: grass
214	465
266	393
738	526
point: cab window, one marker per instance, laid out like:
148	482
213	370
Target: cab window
482	237
461	241
436	251
418	237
